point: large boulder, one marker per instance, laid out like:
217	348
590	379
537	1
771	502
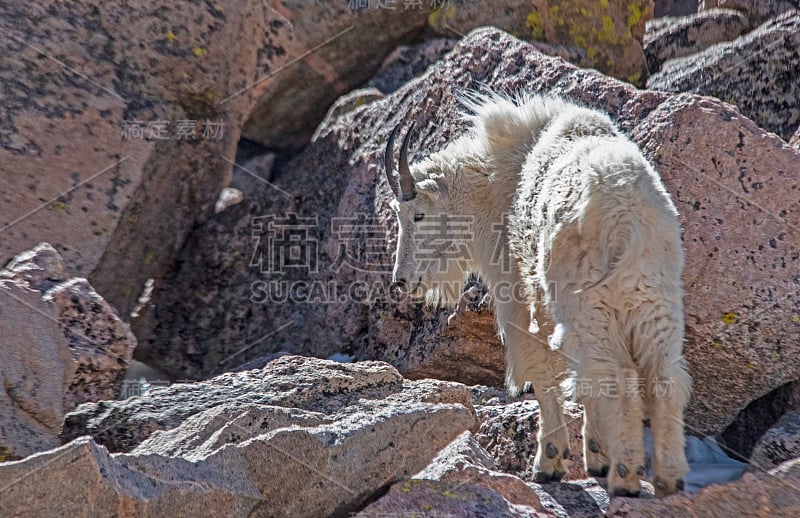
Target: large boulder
63	344
758	11
36	370
119	114
736	195
688	35
317	450
460	481
610	32
307	384
757	73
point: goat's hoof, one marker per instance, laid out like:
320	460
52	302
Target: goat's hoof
663	488
543	477
602	472
551	451
621	491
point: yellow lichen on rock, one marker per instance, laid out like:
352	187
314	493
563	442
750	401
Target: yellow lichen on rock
534	23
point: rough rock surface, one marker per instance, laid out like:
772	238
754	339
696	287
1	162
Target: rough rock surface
35	372
461	346
610	32
244	458
407	62
444	486
463	480
308	384
757	73
763	493
795	140
779	444
674	8
101	342
71	335
758	11
687	35
737	196
761	414
508	433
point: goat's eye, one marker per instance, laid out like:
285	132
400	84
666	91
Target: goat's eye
418	216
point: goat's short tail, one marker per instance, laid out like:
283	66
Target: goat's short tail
623	237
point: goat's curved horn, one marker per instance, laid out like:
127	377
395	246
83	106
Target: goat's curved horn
388	163
407	188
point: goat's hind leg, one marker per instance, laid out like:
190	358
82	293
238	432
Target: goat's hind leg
618	407
669	396
595	449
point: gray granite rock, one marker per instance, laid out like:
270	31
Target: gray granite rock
758	11
757	73
683	36
779	444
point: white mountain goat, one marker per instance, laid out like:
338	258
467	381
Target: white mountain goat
558	194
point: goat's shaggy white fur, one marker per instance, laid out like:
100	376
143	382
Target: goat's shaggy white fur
595	240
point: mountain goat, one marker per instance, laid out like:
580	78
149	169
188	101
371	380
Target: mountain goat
588	232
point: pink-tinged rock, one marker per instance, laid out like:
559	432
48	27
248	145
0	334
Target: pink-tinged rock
121	119
97	338
302	437
36	370
463	347
509	433
460	481
737	188
101	342
772	493
63	344
608	33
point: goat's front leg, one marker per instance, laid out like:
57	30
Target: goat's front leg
530	360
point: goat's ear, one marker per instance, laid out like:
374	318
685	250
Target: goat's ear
432	188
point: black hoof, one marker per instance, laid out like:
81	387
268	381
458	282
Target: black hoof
602	472
541	477
679	485
551	451
594	446
621	491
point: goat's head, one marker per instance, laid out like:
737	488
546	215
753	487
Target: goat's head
424	253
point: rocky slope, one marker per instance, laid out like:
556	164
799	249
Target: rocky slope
295	255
